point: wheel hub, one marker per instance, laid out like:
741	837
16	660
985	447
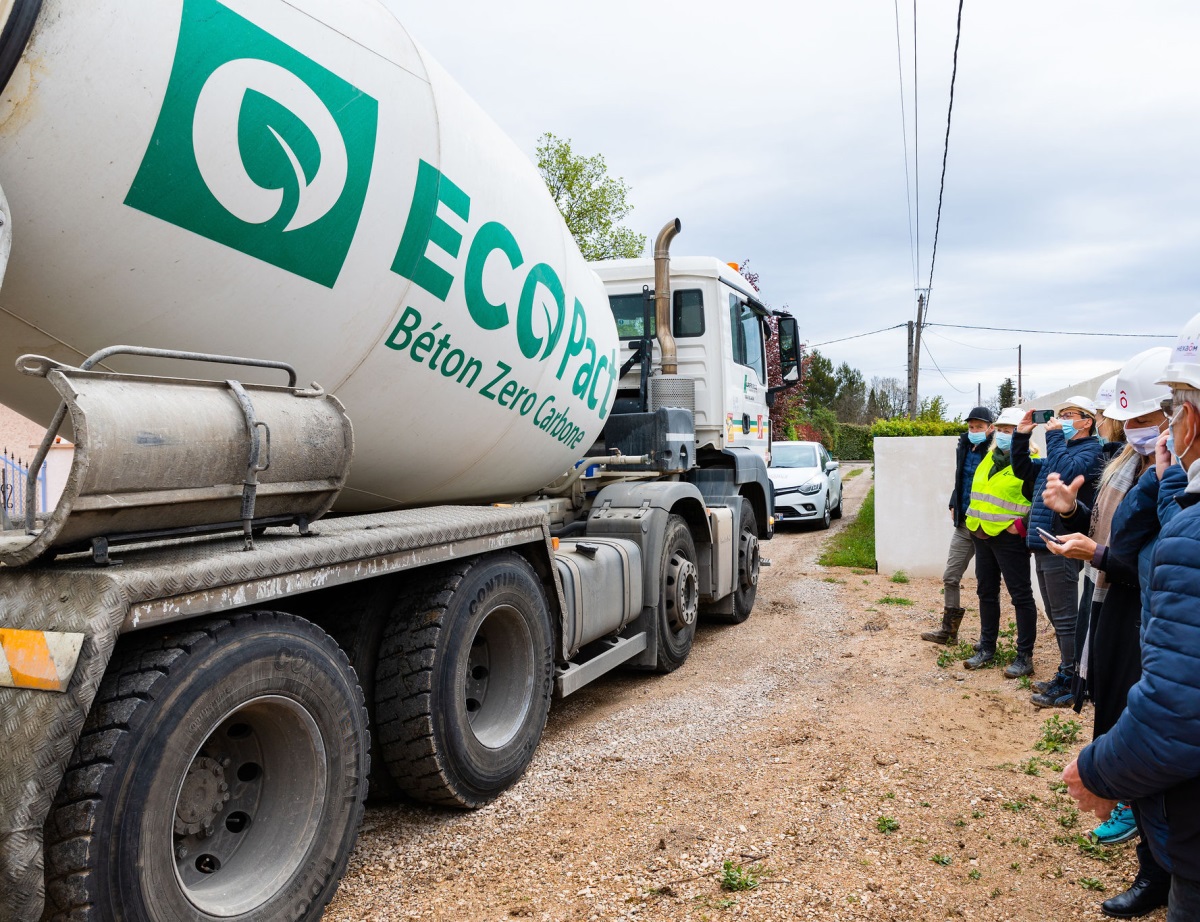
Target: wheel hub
748	560
682	591
202	798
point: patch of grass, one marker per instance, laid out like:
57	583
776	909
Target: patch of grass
995	892
736	877
1057	734
851	474
1016	806
1069	818
960	822
899	577
1091	883
1025	683
1016	866
858	571
833	579
1058	787
976	814
1032	767
950	655
854	545
890	795
1095	849
886	824
974	874
943	860
894	600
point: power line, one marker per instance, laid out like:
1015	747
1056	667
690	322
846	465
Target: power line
942	373
916	135
970	345
946	149
858	335
964	326
912	247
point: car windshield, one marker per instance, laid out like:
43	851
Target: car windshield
793	456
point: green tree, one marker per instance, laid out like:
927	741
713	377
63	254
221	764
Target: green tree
592	202
850	404
821	385
1008	394
932	409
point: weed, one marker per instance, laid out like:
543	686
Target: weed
1025	683
854	545
1058	734
926	803
1095	849
974	874
858	571
976	814
727	903
1032	766
1090	883
995	892
1016	866
960	822
886	824
943	860
735	877
1016	806
1058	787
1069	818
894	600
833	579
890	795
899	577
852	898
950	655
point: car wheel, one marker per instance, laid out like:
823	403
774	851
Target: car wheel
837	510
827	517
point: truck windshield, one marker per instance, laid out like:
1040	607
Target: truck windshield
687	310
793	456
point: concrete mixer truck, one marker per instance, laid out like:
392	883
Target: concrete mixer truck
226	633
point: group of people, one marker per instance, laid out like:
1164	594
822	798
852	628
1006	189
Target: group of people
1110	517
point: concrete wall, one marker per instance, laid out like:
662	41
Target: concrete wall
913	480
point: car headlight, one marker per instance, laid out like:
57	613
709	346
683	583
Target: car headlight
808	489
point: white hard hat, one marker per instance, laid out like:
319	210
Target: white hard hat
1106	394
1010	416
1078	402
1183	367
1137	389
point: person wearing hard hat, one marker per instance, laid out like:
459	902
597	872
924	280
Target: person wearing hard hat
1115	540
1152	753
972	446
1071	449
1111	432
996	518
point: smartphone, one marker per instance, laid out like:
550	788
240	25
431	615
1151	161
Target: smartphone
1042	416
1046	536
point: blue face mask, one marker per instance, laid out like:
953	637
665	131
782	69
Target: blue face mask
1171	443
977	438
1068	429
1004	440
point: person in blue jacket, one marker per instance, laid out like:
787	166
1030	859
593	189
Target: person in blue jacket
1152	753
1072	449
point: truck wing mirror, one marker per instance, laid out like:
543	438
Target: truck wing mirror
789	350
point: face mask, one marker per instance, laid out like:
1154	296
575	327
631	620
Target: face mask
1171	443
1004	440
1175	417
977	438
1142	439
1068	429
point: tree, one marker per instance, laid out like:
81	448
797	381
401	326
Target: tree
821	386
932	409
891	398
592	202
850	404
1007	396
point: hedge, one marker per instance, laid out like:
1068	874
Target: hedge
857	443
853	443
911	427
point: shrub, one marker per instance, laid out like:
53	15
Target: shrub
891	428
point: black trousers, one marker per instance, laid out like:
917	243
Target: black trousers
1004	556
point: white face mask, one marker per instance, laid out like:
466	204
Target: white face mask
1143	439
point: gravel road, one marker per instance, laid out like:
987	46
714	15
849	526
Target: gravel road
774	756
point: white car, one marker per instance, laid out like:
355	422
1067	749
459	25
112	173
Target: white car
808	485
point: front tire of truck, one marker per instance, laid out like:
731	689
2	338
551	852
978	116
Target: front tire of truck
464	680
221	773
679	601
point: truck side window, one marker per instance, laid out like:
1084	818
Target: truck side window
687	314
747	337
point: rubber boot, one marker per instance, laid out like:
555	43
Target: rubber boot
948	633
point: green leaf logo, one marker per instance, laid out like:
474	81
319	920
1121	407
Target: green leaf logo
258	147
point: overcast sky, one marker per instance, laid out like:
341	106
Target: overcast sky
773	131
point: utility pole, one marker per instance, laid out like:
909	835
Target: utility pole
909	380
979	394
1019	397
914	389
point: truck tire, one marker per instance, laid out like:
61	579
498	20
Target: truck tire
745	587
679	600
221	773
464	680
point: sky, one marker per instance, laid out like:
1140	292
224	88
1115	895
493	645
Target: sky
775	132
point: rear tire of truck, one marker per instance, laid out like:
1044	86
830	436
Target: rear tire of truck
679	600
221	773
745	587
464	680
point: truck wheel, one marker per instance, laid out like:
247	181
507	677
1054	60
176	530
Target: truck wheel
464	681
746	587
679	601
221	772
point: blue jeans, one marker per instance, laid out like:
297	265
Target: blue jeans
1058	580
1184	902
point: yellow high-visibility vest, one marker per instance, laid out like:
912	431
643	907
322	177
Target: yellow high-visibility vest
996	502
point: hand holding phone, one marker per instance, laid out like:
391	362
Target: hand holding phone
1041	417
1046	536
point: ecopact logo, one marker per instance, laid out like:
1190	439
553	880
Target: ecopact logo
258	147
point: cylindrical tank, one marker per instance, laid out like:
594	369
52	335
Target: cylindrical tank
300	181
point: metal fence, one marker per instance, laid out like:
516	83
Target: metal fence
13	484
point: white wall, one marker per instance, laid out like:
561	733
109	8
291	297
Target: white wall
913	480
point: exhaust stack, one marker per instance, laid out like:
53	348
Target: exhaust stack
662	296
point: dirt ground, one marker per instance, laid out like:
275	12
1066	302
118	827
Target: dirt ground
783	747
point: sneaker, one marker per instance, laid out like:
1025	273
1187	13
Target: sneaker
1054	694
980	659
1022	665
1042	687
1119	827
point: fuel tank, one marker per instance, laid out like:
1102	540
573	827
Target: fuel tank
298	181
